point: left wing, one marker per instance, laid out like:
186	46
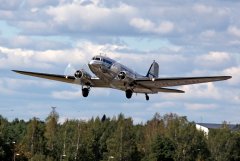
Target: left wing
168	82
62	78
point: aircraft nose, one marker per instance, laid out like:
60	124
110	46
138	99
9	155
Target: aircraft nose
94	63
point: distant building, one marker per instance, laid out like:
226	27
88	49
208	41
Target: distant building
206	126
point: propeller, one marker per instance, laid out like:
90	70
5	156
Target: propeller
69	70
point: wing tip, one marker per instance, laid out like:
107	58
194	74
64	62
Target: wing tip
180	91
228	77
18	71
221	78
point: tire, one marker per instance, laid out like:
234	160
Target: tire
85	92
129	93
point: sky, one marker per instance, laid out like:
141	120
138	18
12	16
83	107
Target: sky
186	38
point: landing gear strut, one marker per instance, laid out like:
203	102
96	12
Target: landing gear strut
147	97
85	91
129	93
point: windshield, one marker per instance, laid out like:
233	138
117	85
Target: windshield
96	58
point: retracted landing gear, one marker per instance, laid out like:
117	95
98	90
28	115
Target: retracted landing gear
147	97
85	91
129	93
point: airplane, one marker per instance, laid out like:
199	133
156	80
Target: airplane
112	74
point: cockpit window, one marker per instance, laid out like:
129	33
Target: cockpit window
107	61
96	58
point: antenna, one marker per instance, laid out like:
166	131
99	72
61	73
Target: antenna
54	108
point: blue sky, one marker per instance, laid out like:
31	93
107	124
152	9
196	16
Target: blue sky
187	38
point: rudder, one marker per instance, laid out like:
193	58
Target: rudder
153	70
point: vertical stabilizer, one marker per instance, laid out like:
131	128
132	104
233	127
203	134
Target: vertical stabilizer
153	70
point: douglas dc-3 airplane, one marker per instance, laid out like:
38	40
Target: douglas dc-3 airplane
111	74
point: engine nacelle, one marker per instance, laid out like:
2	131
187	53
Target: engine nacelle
82	74
126	76
122	75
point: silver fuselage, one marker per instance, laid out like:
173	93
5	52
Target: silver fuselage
107	70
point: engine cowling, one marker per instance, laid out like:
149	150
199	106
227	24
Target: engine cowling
78	74
122	75
126	76
82	74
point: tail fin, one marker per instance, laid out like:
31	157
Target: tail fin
153	70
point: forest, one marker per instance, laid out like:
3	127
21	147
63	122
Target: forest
166	137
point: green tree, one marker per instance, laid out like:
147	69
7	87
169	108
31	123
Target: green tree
224	144
163	149
11	133
52	135
190	143
151	130
34	141
122	144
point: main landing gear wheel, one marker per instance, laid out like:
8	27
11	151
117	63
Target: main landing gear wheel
85	92
129	93
147	97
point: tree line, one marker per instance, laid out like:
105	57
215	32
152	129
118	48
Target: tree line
163	138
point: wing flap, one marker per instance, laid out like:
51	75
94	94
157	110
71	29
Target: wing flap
168	82
167	90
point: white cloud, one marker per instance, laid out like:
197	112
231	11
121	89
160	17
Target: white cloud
157	106
141	24
15	83
197	91
196	106
208	34
67	95
77	94
214	59
76	17
15	87
80	55
213	10
235	73
10	5
203	9
207	90
40	3
5	90
233	30
19	58
26	42
145	25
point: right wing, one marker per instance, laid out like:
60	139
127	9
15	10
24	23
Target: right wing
62	78
168	82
